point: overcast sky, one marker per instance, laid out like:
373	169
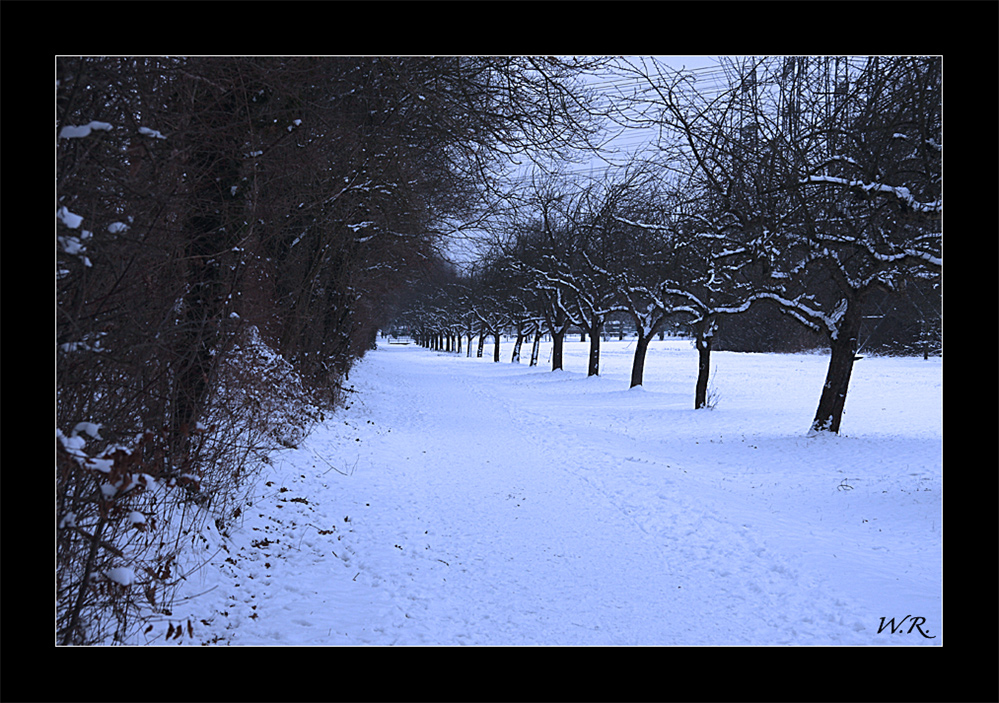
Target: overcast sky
706	69
689	62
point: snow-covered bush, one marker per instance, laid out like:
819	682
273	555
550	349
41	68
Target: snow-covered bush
259	384
117	537
128	514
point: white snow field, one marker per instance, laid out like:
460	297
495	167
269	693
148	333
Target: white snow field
460	501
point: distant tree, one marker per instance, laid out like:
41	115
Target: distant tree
678	267
526	319
541	244
575	261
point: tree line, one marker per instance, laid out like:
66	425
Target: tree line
808	189
231	233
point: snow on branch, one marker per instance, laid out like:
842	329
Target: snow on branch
71	244
355	228
900	193
146	131
806	314
79	131
641	225
923	257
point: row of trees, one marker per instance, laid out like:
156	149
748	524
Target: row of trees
811	187
231	233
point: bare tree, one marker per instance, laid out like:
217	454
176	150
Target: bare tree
541	245
831	193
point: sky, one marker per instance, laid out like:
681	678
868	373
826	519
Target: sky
707	71
621	147
708	74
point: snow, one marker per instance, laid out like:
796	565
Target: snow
459	501
73	246
121	575
68	218
89	428
79	131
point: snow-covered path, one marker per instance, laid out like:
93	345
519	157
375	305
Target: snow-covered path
464	502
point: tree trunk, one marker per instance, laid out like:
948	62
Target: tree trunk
496	348
705	336
638	365
844	351
535	346
558	337
482	343
596	332
209	233
515	359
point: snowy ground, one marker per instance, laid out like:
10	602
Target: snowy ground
461	501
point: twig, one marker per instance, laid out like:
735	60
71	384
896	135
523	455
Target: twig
332	468
304	532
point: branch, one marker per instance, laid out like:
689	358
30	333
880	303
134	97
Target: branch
900	193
